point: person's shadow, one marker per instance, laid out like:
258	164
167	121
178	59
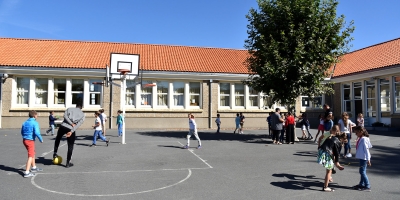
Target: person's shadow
44	161
12	169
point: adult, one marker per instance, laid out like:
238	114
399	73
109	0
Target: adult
73	119
276	124
290	122
269	123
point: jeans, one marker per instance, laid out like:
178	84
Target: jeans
119	129
100	134
282	135
51	129
363	172
219	126
347	146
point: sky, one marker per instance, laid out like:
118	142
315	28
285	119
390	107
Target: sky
202	23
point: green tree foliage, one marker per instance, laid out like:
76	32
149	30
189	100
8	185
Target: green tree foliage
293	44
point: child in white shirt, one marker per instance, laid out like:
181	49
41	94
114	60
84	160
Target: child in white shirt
98	130
362	153
192	131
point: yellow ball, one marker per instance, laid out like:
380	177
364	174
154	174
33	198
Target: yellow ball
57	160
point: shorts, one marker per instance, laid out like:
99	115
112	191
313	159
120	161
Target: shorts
321	127
30	146
241	124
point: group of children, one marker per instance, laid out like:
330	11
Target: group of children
330	144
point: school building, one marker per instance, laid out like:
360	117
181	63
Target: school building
52	75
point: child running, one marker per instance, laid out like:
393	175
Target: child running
51	123
237	122
192	131
320	127
218	122
29	131
362	152
120	122
98	130
328	156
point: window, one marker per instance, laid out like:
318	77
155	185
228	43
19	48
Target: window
253	97
224	92
267	102
94	92
130	93
346	98
371	105
357	88
41	87
60	87
23	90
308	102
179	90
239	94
146	94
77	90
397	93
194	92
305	102
162	93
385	95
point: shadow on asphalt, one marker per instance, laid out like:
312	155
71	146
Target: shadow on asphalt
12	169
171	146
385	160
298	182
250	138
44	161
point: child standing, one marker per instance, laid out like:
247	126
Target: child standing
120	122
345	127
283	128
218	122
192	131
320	127
362	152
237	122
98	130
51	123
328	156
360	120
269	124
29	131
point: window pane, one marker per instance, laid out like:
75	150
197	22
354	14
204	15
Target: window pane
23	90
385	104
224	101
194	100
267	102
41	87
397	93
252	91
95	87
397	104
194	88
253	100
224	88
371	105
347	106
60	85
178	100
146	99
59	97
162	87
317	102
346	94
239	88
77	97
179	87
132	86
130	99
346	86
305	101
77	85
371	91
239	100
162	99
94	99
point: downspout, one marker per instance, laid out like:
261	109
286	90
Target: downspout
210	105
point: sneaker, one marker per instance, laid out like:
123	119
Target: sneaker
333	171
364	189
108	141
93	145
37	169
199	147
357	187
68	165
30	174
185	147
349	155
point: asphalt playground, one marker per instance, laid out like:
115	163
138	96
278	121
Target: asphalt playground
152	165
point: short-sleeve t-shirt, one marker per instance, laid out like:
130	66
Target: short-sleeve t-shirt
98	120
276	124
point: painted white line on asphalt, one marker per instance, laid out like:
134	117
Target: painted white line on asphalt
22	166
204	161
107	195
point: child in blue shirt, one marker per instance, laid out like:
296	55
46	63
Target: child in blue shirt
52	120
237	121
218	122
29	131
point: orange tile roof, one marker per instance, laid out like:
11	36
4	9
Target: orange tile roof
378	56
96	55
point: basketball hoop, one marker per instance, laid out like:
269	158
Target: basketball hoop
123	71
149	85
98	83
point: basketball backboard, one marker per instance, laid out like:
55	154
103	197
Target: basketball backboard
120	61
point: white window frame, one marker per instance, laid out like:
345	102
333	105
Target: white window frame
152	95
311	102
78	92
224	95
14	94
254	95
46	92
396	102
177	94
344	109
386	98
162	93
367	112
130	104
53	93
90	92
188	94
239	95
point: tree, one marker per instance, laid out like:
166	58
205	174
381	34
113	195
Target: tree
292	46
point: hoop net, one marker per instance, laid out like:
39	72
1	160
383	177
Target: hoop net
123	71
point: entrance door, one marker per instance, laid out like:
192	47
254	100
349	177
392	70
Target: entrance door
357	109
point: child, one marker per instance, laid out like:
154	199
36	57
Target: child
345	127
305	127
269	124
362	152
283	128
192	131
328	156
241	122
218	121
360	120
237	122
320	127
29	131
120	122
51	123
98	130
103	117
